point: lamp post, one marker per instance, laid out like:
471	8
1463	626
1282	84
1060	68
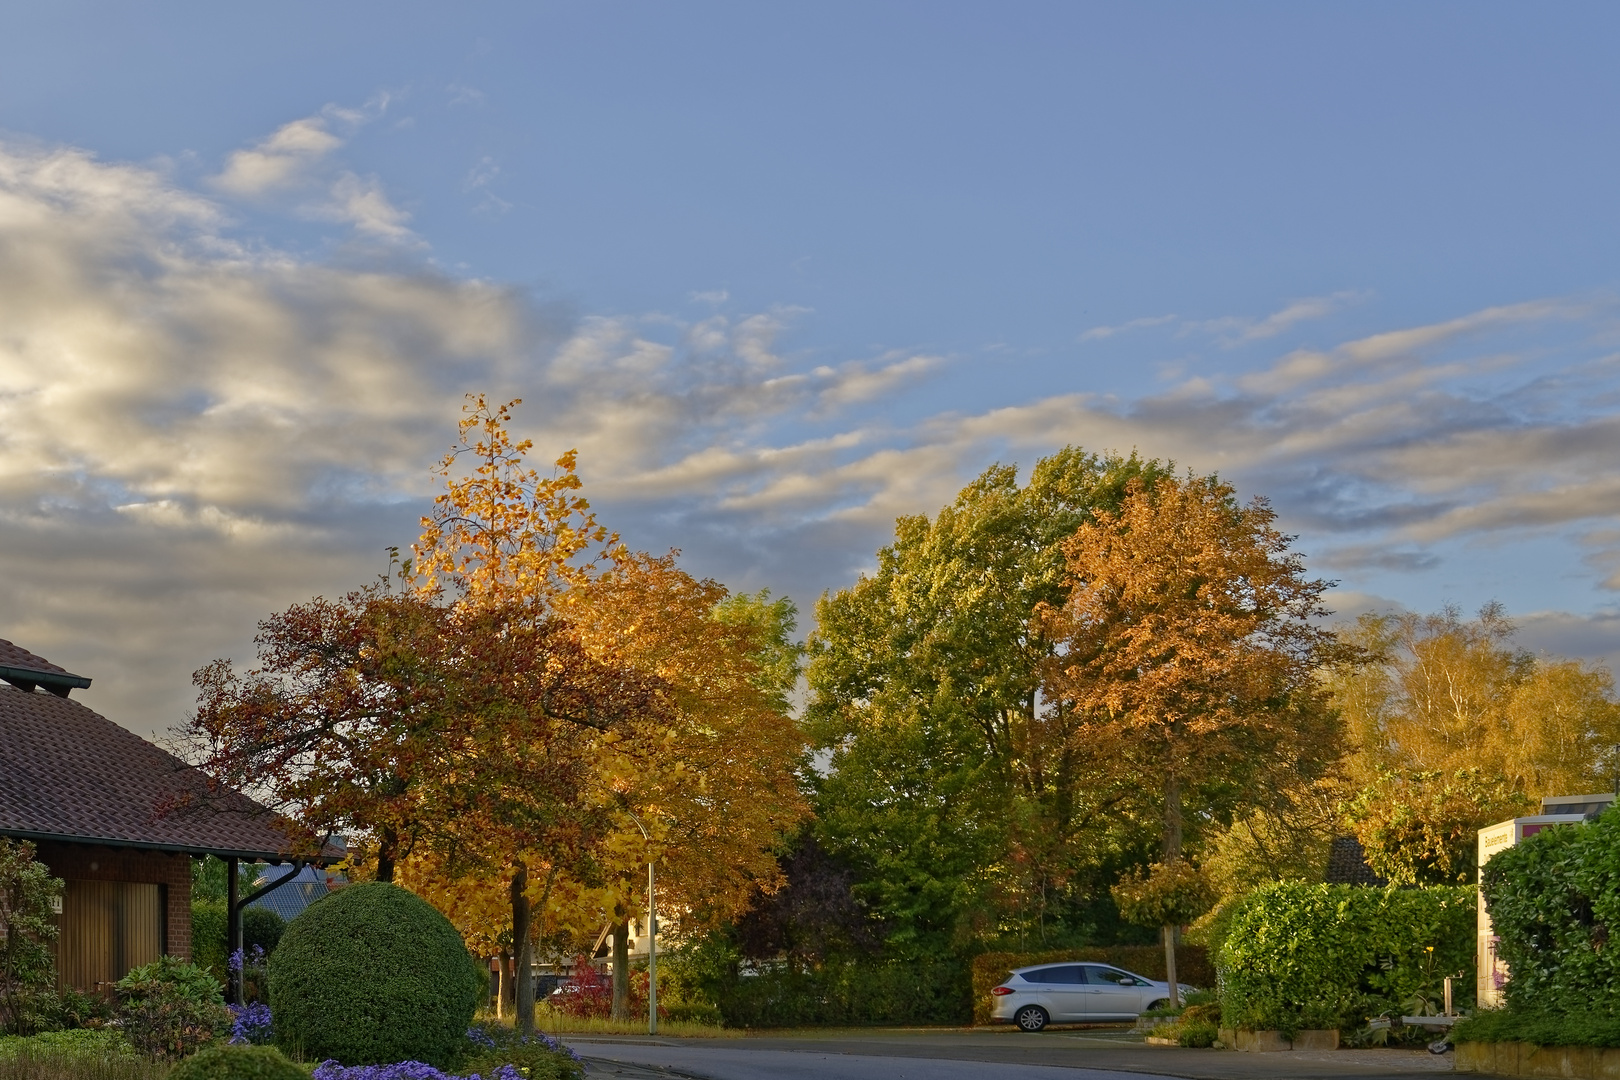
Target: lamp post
652	937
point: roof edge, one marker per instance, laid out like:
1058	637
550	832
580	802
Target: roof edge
175	849
45	678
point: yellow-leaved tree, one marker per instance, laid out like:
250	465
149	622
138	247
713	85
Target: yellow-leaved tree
1455	728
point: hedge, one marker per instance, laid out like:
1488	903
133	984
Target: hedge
989	969
851	994
1330	956
1553	898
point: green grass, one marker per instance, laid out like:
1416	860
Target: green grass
75	1055
555	1023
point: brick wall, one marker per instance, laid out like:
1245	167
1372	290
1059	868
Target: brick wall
94	862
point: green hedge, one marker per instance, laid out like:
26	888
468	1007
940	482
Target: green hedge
850	994
225	1062
1193	967
1330	956
208	932
1553	899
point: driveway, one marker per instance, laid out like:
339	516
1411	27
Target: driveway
977	1054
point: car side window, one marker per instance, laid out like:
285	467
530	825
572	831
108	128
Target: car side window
1069	974
1108	977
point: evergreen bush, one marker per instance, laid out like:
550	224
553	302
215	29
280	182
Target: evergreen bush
372	975
1553	899
226	1062
170	1008
1330	956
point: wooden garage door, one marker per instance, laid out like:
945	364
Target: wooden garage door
108	927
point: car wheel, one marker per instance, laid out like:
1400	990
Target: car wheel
1030	1018
1162	1003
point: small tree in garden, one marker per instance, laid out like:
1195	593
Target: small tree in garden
1170	894
27	934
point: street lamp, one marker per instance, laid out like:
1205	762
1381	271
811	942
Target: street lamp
652	936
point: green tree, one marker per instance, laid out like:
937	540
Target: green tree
27	934
962	809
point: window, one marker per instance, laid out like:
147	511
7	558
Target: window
1070	974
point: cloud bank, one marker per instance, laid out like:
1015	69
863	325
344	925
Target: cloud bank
197	429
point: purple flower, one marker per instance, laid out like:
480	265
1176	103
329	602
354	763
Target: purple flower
235	961
251	1024
479	1037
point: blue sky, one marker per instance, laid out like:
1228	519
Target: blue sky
782	273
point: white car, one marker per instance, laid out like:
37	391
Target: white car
1033	997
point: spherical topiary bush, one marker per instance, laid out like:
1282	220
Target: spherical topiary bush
225	1062
371	975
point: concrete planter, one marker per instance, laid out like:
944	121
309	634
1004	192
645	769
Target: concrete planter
1261	1042
1525	1059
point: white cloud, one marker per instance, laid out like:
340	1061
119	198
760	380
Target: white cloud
196	432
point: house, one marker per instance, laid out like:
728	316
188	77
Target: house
288	899
117	819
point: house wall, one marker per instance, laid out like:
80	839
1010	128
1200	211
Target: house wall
94	863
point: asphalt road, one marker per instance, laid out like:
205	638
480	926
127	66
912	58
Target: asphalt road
956	1054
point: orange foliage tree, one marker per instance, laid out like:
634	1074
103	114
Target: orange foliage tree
1189	647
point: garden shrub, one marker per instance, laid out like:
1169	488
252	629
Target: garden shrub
227	1062
261	929
208	936
27	936
1542	1027
991	968
83	1042
535	1057
850	993
1553	899
170	1008
370	975
1328	956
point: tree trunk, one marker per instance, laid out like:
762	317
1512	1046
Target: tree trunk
1172	854
503	985
387	851
621	966
523	950
1170	965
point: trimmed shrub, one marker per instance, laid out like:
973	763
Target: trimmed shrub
989	969
226	1062
261	928
1553	899
1329	956
499	1050
370	975
208	936
850	994
170	1008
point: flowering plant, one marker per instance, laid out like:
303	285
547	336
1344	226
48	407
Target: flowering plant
251	1024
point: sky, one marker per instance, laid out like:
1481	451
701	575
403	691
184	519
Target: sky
782	273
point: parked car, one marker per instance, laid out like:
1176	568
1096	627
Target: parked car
1033	997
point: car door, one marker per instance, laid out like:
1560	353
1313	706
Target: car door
1065	991
1111	994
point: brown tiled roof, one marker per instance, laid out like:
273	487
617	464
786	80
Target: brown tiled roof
22	668
67	773
1347	864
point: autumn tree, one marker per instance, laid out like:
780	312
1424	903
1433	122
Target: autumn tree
963	807
1188	646
1455	728
342	726
714	777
